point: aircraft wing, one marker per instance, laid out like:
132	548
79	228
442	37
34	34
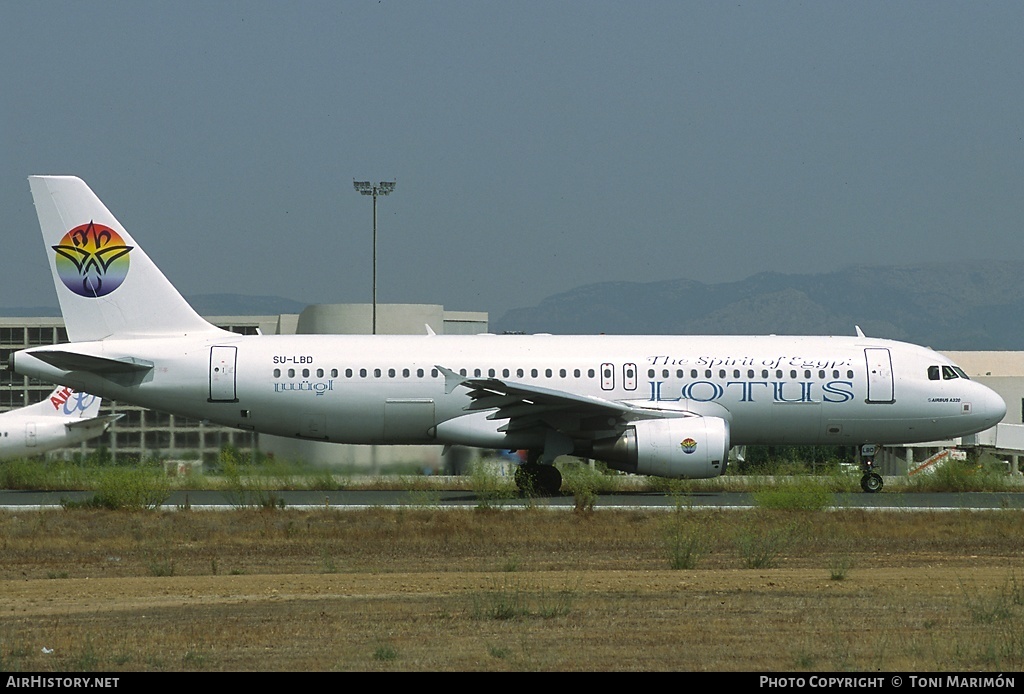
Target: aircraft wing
528	406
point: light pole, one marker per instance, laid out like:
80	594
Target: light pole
367	188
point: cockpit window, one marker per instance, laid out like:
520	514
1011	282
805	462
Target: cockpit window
951	372
946	373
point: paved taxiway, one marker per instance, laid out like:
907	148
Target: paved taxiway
355	499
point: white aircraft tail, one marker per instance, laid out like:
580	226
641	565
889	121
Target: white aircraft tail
107	286
66	402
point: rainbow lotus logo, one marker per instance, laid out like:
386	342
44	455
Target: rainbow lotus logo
688	445
92	260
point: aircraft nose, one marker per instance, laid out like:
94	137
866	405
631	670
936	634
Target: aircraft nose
989	407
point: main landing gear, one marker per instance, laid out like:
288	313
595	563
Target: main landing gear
536	479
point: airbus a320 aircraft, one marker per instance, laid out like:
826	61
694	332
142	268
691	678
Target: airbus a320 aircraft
654	405
63	419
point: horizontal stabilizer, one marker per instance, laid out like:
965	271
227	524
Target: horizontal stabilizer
106	420
73	361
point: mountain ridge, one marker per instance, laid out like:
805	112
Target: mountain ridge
959	305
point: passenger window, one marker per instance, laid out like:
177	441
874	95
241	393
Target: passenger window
334	373
590	373
561	372
277	373
376	373
405	373
520	373
419	373
650	373
391	373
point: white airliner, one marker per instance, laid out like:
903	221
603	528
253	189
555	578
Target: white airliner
655	405
65	418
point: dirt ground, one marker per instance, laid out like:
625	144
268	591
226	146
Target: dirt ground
436	591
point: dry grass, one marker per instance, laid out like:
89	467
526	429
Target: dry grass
534	589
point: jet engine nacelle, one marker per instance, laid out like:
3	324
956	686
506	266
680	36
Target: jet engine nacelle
685	447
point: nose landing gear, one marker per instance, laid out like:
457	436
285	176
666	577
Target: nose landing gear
871	482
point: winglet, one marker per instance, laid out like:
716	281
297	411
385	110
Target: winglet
860	333
451	379
430	331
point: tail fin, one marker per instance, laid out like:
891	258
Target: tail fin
106	284
65	402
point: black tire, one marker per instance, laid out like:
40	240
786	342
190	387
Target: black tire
871	483
538	480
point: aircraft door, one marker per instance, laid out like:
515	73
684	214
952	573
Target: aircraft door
880	381
607	377
30	434
222	374
629	376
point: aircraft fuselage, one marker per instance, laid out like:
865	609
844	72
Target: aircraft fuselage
387	389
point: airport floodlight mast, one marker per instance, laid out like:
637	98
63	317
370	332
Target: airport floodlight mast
367	188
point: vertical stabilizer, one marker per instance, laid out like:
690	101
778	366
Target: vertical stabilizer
106	284
65	402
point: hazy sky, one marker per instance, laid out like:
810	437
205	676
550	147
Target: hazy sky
538	146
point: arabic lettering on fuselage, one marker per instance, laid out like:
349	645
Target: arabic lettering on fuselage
317	387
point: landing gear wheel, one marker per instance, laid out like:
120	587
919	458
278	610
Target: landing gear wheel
534	479
871	483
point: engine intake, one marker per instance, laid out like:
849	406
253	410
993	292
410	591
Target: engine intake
685	447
